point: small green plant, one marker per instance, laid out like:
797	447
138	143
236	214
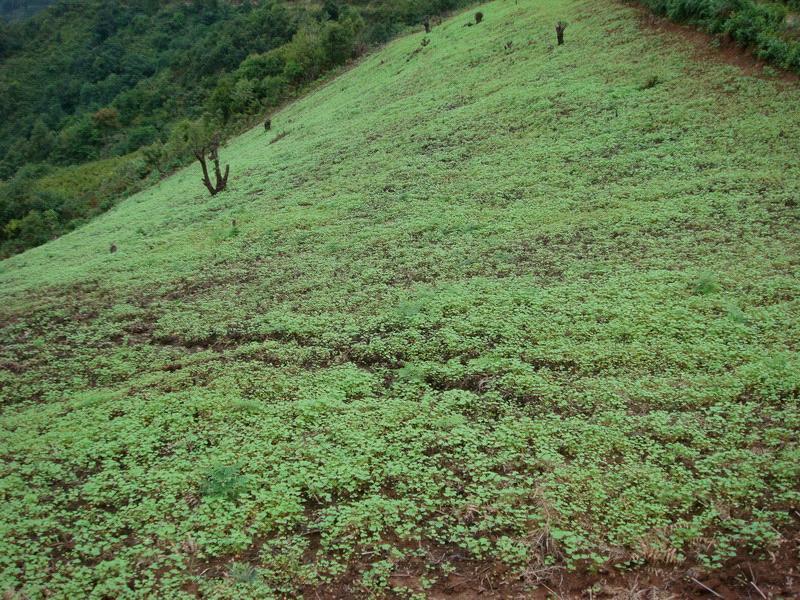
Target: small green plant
651	82
244	573
737	315
225	482
228	233
706	284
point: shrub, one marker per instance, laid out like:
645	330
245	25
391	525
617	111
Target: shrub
37	227
257	66
273	89
226	482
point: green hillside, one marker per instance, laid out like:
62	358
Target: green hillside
484	314
103	87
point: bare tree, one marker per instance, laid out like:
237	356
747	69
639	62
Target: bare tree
211	151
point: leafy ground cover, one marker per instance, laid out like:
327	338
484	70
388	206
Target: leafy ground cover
482	314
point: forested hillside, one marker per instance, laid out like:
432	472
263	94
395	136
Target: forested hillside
484	316
21	9
95	82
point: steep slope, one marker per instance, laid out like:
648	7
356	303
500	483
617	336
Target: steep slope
103	87
477	315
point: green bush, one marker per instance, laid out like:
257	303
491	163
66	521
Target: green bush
224	482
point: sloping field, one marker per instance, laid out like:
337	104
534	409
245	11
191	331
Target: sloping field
478	315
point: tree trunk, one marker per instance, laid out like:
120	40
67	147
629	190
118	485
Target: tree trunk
224	183
222	180
201	157
560	33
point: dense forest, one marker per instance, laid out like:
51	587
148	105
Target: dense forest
21	9
91	94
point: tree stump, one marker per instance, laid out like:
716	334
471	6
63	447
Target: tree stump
560	27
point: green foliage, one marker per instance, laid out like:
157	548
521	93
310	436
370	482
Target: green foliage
765	27
43	202
226	482
480	312
107	79
20	9
40	142
706	284
36	227
244	573
187	136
